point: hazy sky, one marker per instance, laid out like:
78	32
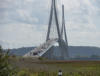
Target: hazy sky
24	22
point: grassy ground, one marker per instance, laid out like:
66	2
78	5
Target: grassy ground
36	67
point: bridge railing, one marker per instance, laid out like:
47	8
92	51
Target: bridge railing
39	51
43	47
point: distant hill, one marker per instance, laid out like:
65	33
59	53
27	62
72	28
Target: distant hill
83	51
74	51
20	51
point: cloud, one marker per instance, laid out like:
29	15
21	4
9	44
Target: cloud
21	35
25	22
26	16
84	38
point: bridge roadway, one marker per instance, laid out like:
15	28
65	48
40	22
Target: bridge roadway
42	49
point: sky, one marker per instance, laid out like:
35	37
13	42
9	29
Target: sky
24	23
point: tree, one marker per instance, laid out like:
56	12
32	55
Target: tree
5	68
95	56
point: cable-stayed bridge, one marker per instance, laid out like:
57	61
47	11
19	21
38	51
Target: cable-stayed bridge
56	45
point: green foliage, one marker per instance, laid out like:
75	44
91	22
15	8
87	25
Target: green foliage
5	68
87	73
23	73
95	56
41	58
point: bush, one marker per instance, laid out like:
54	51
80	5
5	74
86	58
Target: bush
23	73
5	68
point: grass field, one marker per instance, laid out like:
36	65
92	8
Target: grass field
36	67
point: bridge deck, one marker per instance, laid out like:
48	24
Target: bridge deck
42	49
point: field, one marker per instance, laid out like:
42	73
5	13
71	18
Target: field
42	67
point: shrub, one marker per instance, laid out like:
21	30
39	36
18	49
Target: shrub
5	68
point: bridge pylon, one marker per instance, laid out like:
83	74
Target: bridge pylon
53	17
62	49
